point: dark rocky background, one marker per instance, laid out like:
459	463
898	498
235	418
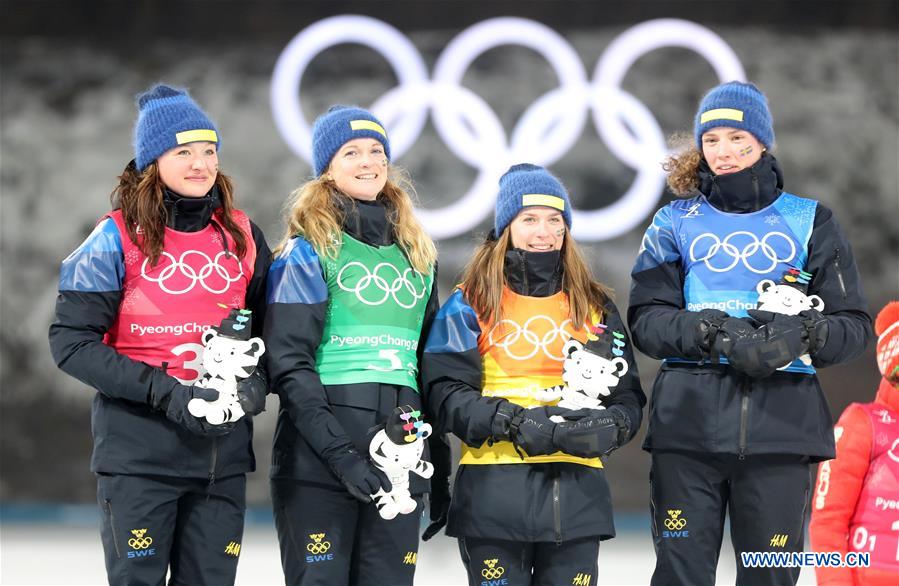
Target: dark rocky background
69	71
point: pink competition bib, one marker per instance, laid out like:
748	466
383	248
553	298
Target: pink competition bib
875	525
165	308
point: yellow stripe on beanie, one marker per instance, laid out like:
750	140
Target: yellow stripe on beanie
204	135
541	199
721	114
368	125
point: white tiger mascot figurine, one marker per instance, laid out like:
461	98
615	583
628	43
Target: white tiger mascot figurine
589	375
396	449
789	297
229	355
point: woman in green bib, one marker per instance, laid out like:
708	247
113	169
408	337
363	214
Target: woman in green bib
351	294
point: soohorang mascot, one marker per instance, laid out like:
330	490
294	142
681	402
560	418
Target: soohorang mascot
589	373
396	449
229	355
789	297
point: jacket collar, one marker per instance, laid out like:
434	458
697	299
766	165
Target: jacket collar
190	214
746	191
366	221
534	274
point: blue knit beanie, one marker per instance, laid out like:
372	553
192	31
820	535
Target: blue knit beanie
735	105
168	117
528	185
339	125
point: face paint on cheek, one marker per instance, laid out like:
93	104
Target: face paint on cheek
560	232
746	151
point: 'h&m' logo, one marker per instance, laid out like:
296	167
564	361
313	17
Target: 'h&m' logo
779	540
582	579
411	558
140	544
675	524
233	548
318	548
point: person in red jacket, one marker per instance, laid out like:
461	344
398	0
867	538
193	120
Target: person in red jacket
856	502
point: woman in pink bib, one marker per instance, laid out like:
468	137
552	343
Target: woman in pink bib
138	301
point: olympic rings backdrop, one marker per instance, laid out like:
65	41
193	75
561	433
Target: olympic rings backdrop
466	87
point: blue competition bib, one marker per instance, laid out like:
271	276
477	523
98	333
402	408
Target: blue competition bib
725	255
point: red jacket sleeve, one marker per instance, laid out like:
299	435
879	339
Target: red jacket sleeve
836	492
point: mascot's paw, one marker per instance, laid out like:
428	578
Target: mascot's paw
550	394
407	506
387	507
427	469
216	412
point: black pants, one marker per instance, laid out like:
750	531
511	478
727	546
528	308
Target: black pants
153	522
493	562
766	497
329	538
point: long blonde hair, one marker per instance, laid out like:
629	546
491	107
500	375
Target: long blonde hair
683	165
312	212
140	197
483	280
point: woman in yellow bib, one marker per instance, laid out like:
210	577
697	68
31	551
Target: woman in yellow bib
531	502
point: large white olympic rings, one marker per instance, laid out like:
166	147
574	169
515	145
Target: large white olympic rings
736	254
396	282
195	276
473	132
555	334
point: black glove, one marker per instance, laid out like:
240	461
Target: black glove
589	433
817	327
716	333
528	429
174	403
778	341
360	477
440	490
440	502
251	392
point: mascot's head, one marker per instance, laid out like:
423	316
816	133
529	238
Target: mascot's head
790	295
229	349
596	369
405	425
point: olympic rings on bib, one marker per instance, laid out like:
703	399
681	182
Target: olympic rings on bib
180	269
472	130
730	254
553	338
376	286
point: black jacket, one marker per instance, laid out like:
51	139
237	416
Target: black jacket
518	502
129	436
315	419
715	408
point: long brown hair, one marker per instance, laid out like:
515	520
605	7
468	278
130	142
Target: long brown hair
683	165
312	212
140	197
483	280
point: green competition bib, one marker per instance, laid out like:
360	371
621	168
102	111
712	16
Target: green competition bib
376	305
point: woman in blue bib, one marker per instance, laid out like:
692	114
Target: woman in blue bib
743	290
351	295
